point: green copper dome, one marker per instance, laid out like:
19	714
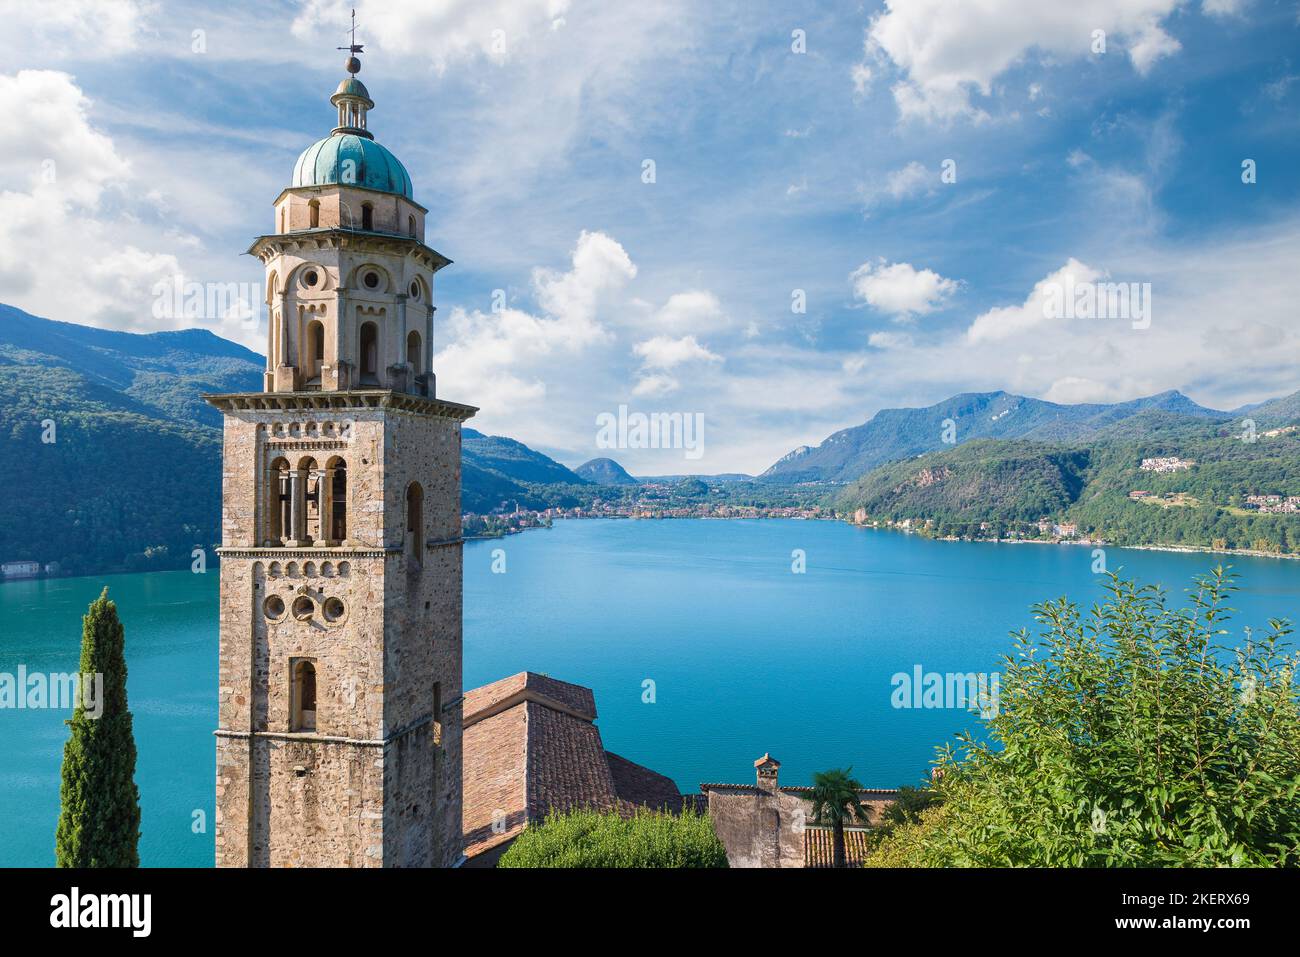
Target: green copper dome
351	86
350	160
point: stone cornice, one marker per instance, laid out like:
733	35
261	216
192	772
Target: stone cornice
311	737
351	399
271	245
309	551
325	552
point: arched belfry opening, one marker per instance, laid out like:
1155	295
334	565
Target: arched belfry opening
309	501
278	499
336	472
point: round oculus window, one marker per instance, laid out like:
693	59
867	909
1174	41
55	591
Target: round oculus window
334	609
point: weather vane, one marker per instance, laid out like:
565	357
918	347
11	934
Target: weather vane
353	64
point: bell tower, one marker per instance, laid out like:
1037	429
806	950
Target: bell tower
339	728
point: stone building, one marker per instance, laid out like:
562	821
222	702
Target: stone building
766	824
532	746
339	732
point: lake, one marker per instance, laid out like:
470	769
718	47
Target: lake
745	654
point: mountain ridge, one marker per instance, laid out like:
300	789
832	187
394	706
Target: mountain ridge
901	433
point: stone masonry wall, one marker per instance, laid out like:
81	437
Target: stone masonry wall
379	781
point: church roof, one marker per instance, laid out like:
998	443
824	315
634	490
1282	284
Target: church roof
350	160
530	746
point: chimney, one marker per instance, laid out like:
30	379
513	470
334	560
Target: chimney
767	767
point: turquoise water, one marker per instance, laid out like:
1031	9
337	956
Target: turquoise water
745	656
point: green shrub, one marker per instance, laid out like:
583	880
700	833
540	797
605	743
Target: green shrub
584	838
1126	738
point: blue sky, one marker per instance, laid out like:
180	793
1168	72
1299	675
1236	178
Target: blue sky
797	149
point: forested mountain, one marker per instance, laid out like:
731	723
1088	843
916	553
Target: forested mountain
132	476
995	488
894	434
513	459
115	459
605	472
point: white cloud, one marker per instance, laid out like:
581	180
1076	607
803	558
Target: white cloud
697	310
60	153
654	386
525	92
946	50
84	29
900	289
505	357
65	252
1007	321
861	76
600	267
908	181
663	352
888	340
445	31
1073	389
1223	7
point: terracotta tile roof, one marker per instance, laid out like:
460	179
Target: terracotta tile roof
566	764
638	785
494	751
499	695
819	846
530	745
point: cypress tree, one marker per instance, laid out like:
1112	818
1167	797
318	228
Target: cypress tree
99	824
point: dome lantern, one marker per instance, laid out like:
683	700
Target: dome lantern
352	98
350	155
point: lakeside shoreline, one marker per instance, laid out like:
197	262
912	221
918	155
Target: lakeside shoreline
1152	547
1085	543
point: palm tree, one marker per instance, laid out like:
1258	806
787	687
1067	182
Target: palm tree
836	798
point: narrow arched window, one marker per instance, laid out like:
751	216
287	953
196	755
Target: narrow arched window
410	226
302	696
338	501
368	356
314	212
315	352
367	216
413	350
415	522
